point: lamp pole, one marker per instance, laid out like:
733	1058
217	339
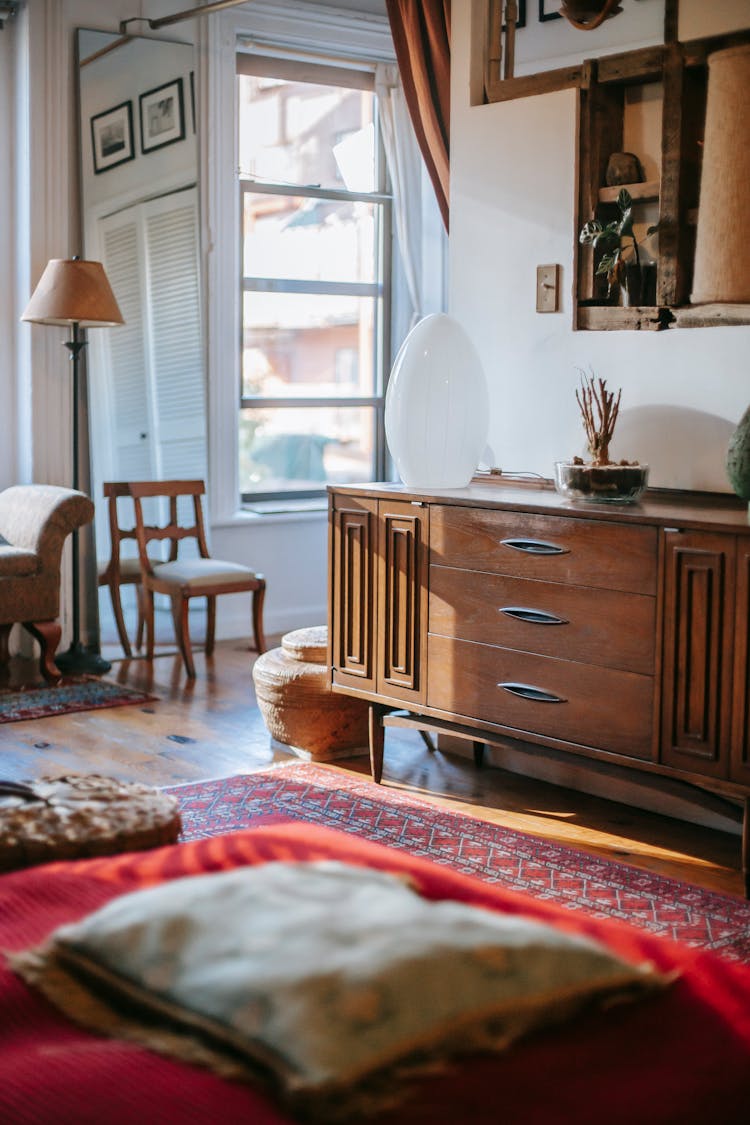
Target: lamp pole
78	659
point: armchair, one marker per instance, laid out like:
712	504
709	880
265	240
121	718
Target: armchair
35	521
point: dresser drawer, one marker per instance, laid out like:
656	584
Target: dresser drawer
580	623
583	552
578	703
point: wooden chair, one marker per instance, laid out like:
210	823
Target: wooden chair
184	578
121	571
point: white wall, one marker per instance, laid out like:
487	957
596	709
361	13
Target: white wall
10	427
512	208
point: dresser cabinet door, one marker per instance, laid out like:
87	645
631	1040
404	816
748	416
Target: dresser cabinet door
698	639
740	769
402	600
353	529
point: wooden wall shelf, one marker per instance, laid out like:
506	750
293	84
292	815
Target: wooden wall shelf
682	70
608	318
647	192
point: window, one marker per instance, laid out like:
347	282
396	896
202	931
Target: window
315	227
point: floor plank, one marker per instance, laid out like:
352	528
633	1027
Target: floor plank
212	728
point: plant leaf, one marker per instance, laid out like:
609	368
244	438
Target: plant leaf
624	200
626	223
589	231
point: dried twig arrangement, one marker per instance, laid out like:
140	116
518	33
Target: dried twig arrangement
599	410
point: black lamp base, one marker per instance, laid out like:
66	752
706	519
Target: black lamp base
79	661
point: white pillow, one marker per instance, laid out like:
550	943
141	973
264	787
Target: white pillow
325	973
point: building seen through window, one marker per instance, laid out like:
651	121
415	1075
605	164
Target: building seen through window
315	228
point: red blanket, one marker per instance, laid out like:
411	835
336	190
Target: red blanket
681	1056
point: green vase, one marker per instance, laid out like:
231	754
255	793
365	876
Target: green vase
738	457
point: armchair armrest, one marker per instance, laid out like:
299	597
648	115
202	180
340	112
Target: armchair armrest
39	517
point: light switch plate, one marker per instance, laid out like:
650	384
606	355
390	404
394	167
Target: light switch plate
547	288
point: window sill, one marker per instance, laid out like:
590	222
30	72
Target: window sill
278	511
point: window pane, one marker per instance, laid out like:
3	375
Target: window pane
306	133
305	344
308	239
290	450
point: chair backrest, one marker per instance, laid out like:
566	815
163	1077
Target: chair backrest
169	530
113	491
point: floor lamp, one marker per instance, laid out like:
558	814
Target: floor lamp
76	293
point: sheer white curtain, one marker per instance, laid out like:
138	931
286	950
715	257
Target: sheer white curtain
405	166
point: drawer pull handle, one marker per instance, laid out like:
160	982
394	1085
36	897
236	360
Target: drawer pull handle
534	546
533	616
527	691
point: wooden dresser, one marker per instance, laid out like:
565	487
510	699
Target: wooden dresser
618	633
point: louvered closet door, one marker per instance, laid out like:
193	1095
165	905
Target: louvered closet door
175	336
127	453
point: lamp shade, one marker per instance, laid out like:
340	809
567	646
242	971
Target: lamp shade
437	406
722	268
71	291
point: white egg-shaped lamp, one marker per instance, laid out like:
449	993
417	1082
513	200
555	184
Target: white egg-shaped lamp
437	406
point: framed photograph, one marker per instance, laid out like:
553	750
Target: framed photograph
549	10
521	21
112	137
162	116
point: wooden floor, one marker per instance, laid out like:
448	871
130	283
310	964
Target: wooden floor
212	728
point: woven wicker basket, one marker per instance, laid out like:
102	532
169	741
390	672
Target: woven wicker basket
293	689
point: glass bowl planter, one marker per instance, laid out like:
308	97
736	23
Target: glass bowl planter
609	484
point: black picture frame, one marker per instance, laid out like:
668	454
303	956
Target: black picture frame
112	140
548	11
521	21
162	116
192	98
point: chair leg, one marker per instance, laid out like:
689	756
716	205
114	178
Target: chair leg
140	597
258	596
180	606
210	624
4	638
48	634
148	612
114	593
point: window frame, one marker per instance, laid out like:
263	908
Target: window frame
356	75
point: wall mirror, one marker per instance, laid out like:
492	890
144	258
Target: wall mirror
139	217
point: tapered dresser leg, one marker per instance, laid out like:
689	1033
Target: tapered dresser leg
377	740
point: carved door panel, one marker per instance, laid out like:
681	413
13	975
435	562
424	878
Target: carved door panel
352	591
402	600
740	768
698	641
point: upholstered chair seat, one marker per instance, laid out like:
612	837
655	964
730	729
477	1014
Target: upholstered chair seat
35	521
190	573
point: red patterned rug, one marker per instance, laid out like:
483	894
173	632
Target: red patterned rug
87	694
539	867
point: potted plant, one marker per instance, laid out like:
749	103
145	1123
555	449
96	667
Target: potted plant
621	261
619	482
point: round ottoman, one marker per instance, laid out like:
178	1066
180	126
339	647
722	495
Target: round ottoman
81	815
293	689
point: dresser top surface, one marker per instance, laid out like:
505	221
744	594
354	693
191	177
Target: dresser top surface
663	508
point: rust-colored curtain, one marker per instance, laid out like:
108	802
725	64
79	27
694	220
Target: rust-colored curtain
421	32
